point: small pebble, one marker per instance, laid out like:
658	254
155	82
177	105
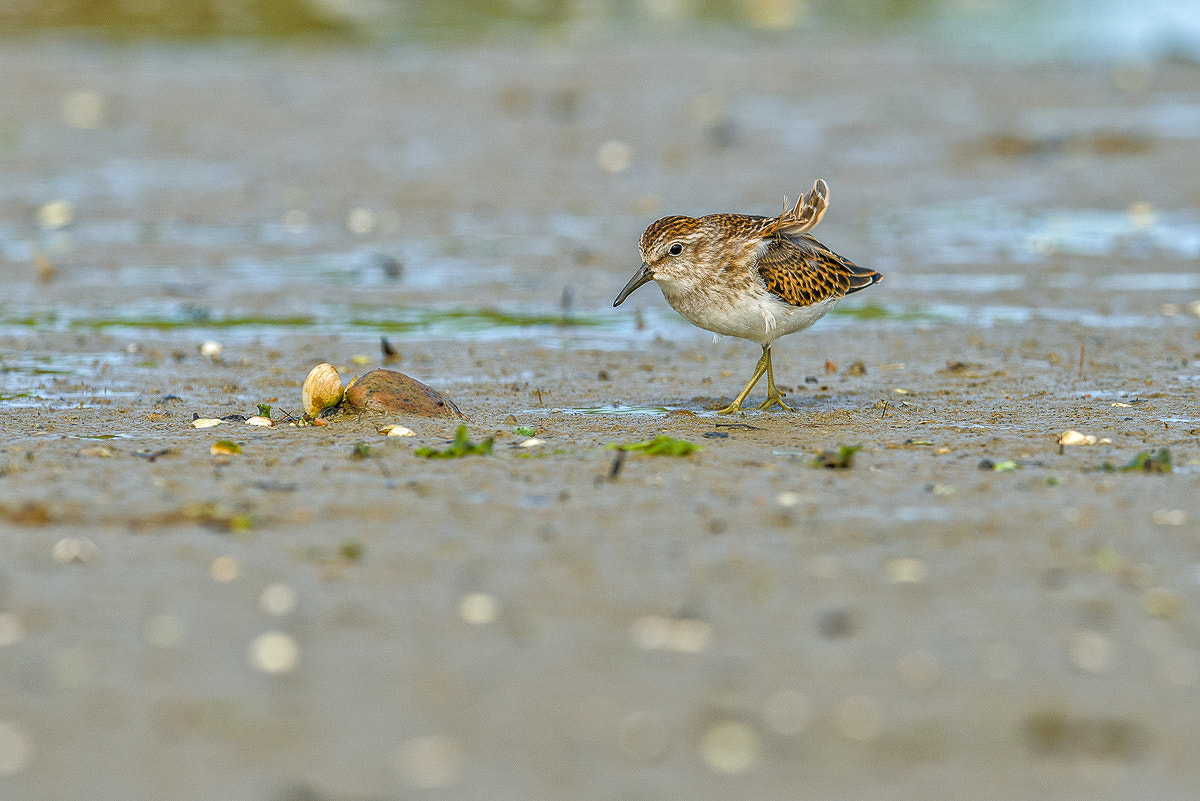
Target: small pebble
206	422
274	652
397	430
1073	437
259	420
74	549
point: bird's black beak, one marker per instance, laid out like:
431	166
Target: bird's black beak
640	277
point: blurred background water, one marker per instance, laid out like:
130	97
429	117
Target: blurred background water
474	168
1071	28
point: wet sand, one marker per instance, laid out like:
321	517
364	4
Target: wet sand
967	609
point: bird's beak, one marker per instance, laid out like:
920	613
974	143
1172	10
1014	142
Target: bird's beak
640	277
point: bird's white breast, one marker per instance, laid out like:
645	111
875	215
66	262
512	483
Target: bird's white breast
754	314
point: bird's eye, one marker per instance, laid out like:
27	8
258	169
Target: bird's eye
675	249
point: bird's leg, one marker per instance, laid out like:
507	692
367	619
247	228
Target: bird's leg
774	397
764	364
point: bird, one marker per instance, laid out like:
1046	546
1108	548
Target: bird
749	276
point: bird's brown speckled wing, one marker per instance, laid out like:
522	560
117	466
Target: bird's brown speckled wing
802	271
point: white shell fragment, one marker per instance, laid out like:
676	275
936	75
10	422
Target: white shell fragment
259	420
206	422
322	389
1073	437
532	442
397	430
212	349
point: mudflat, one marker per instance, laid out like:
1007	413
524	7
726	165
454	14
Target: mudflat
967	607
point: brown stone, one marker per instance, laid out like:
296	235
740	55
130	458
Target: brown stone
392	392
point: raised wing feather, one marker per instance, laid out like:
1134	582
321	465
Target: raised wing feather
804	216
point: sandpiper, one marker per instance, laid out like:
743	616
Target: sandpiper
746	276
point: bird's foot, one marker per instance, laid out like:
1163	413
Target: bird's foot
774	399
736	406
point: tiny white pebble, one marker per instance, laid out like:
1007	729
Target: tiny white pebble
211	348
74	549
1073	437
479	608
274	652
397	430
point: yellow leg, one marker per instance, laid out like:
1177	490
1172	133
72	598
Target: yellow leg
764	365
774	397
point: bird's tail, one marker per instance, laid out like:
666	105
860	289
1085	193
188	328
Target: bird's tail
860	277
